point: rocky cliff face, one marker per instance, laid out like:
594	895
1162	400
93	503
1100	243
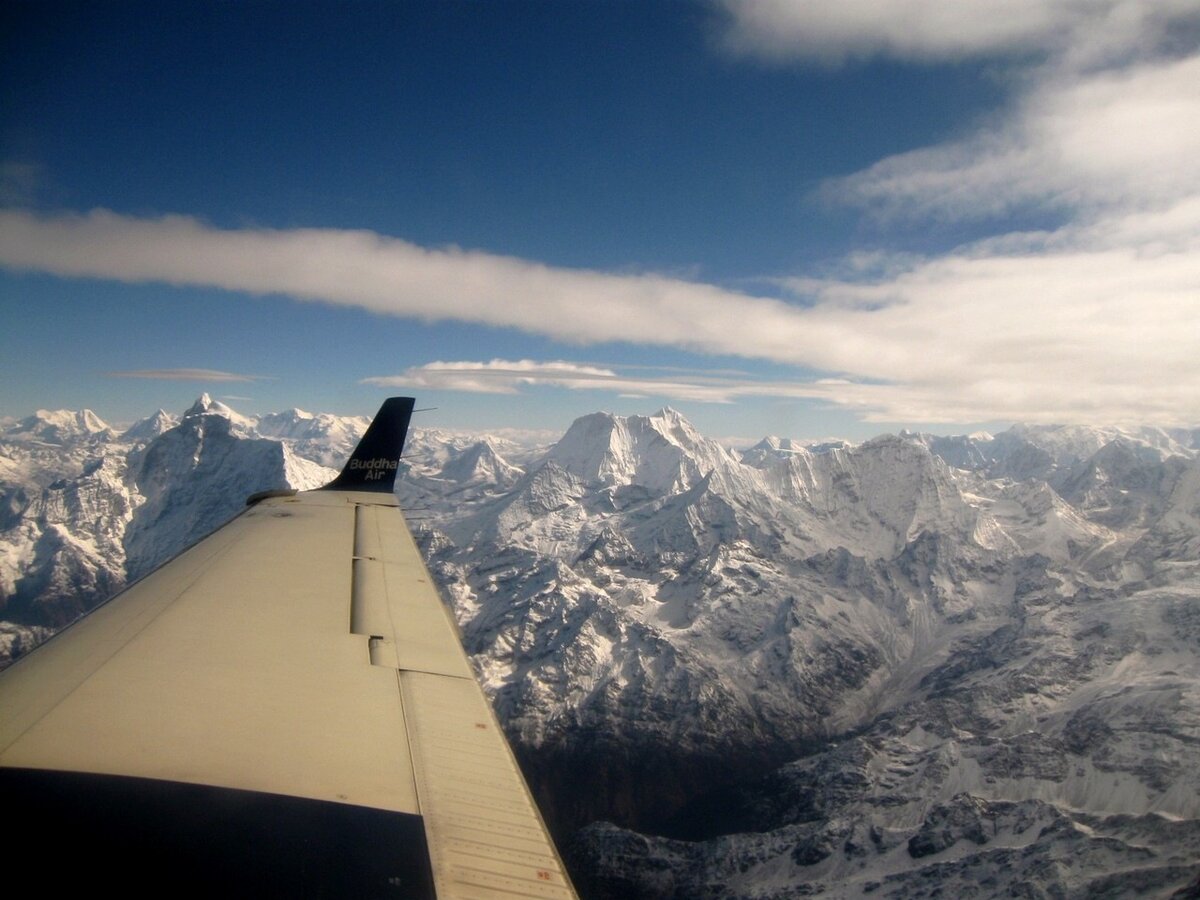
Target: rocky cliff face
962	665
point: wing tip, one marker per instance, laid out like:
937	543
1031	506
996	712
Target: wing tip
373	464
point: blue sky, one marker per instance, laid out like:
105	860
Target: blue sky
777	217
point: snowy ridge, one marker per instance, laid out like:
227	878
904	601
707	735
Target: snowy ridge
320	437
639	589
58	426
84	510
852	670
662	452
147	429
197	475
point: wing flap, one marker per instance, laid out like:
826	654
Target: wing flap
484	833
396	602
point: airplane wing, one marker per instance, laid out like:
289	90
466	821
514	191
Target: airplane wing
285	707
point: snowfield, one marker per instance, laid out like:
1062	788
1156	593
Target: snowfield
917	666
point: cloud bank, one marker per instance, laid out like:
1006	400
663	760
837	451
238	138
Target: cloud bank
1082	324
1094	319
394	277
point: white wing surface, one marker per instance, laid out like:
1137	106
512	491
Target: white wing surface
285	707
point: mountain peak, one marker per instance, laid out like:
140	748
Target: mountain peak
778	445
662	451
202	405
149	427
206	405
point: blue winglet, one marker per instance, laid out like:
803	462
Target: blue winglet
373	464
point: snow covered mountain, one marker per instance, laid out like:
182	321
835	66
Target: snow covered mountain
872	670
58	428
84	510
966	665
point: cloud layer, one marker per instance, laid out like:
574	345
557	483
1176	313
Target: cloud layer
184	375
501	376
1091	323
394	277
1094	320
947	29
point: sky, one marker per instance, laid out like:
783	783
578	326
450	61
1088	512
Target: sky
779	217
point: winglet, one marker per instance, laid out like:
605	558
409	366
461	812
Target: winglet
373	464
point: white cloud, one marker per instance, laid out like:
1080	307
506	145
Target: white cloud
1088	323
1125	139
391	276
185	375
508	376
496	377
1085	30
1094	320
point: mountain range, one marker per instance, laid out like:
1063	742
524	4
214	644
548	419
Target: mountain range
916	666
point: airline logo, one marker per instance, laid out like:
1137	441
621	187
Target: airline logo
374	469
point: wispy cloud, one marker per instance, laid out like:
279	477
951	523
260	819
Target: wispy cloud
1120	140
500	376
946	29
185	375
1091	320
1104	121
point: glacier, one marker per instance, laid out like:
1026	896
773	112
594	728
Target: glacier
915	666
